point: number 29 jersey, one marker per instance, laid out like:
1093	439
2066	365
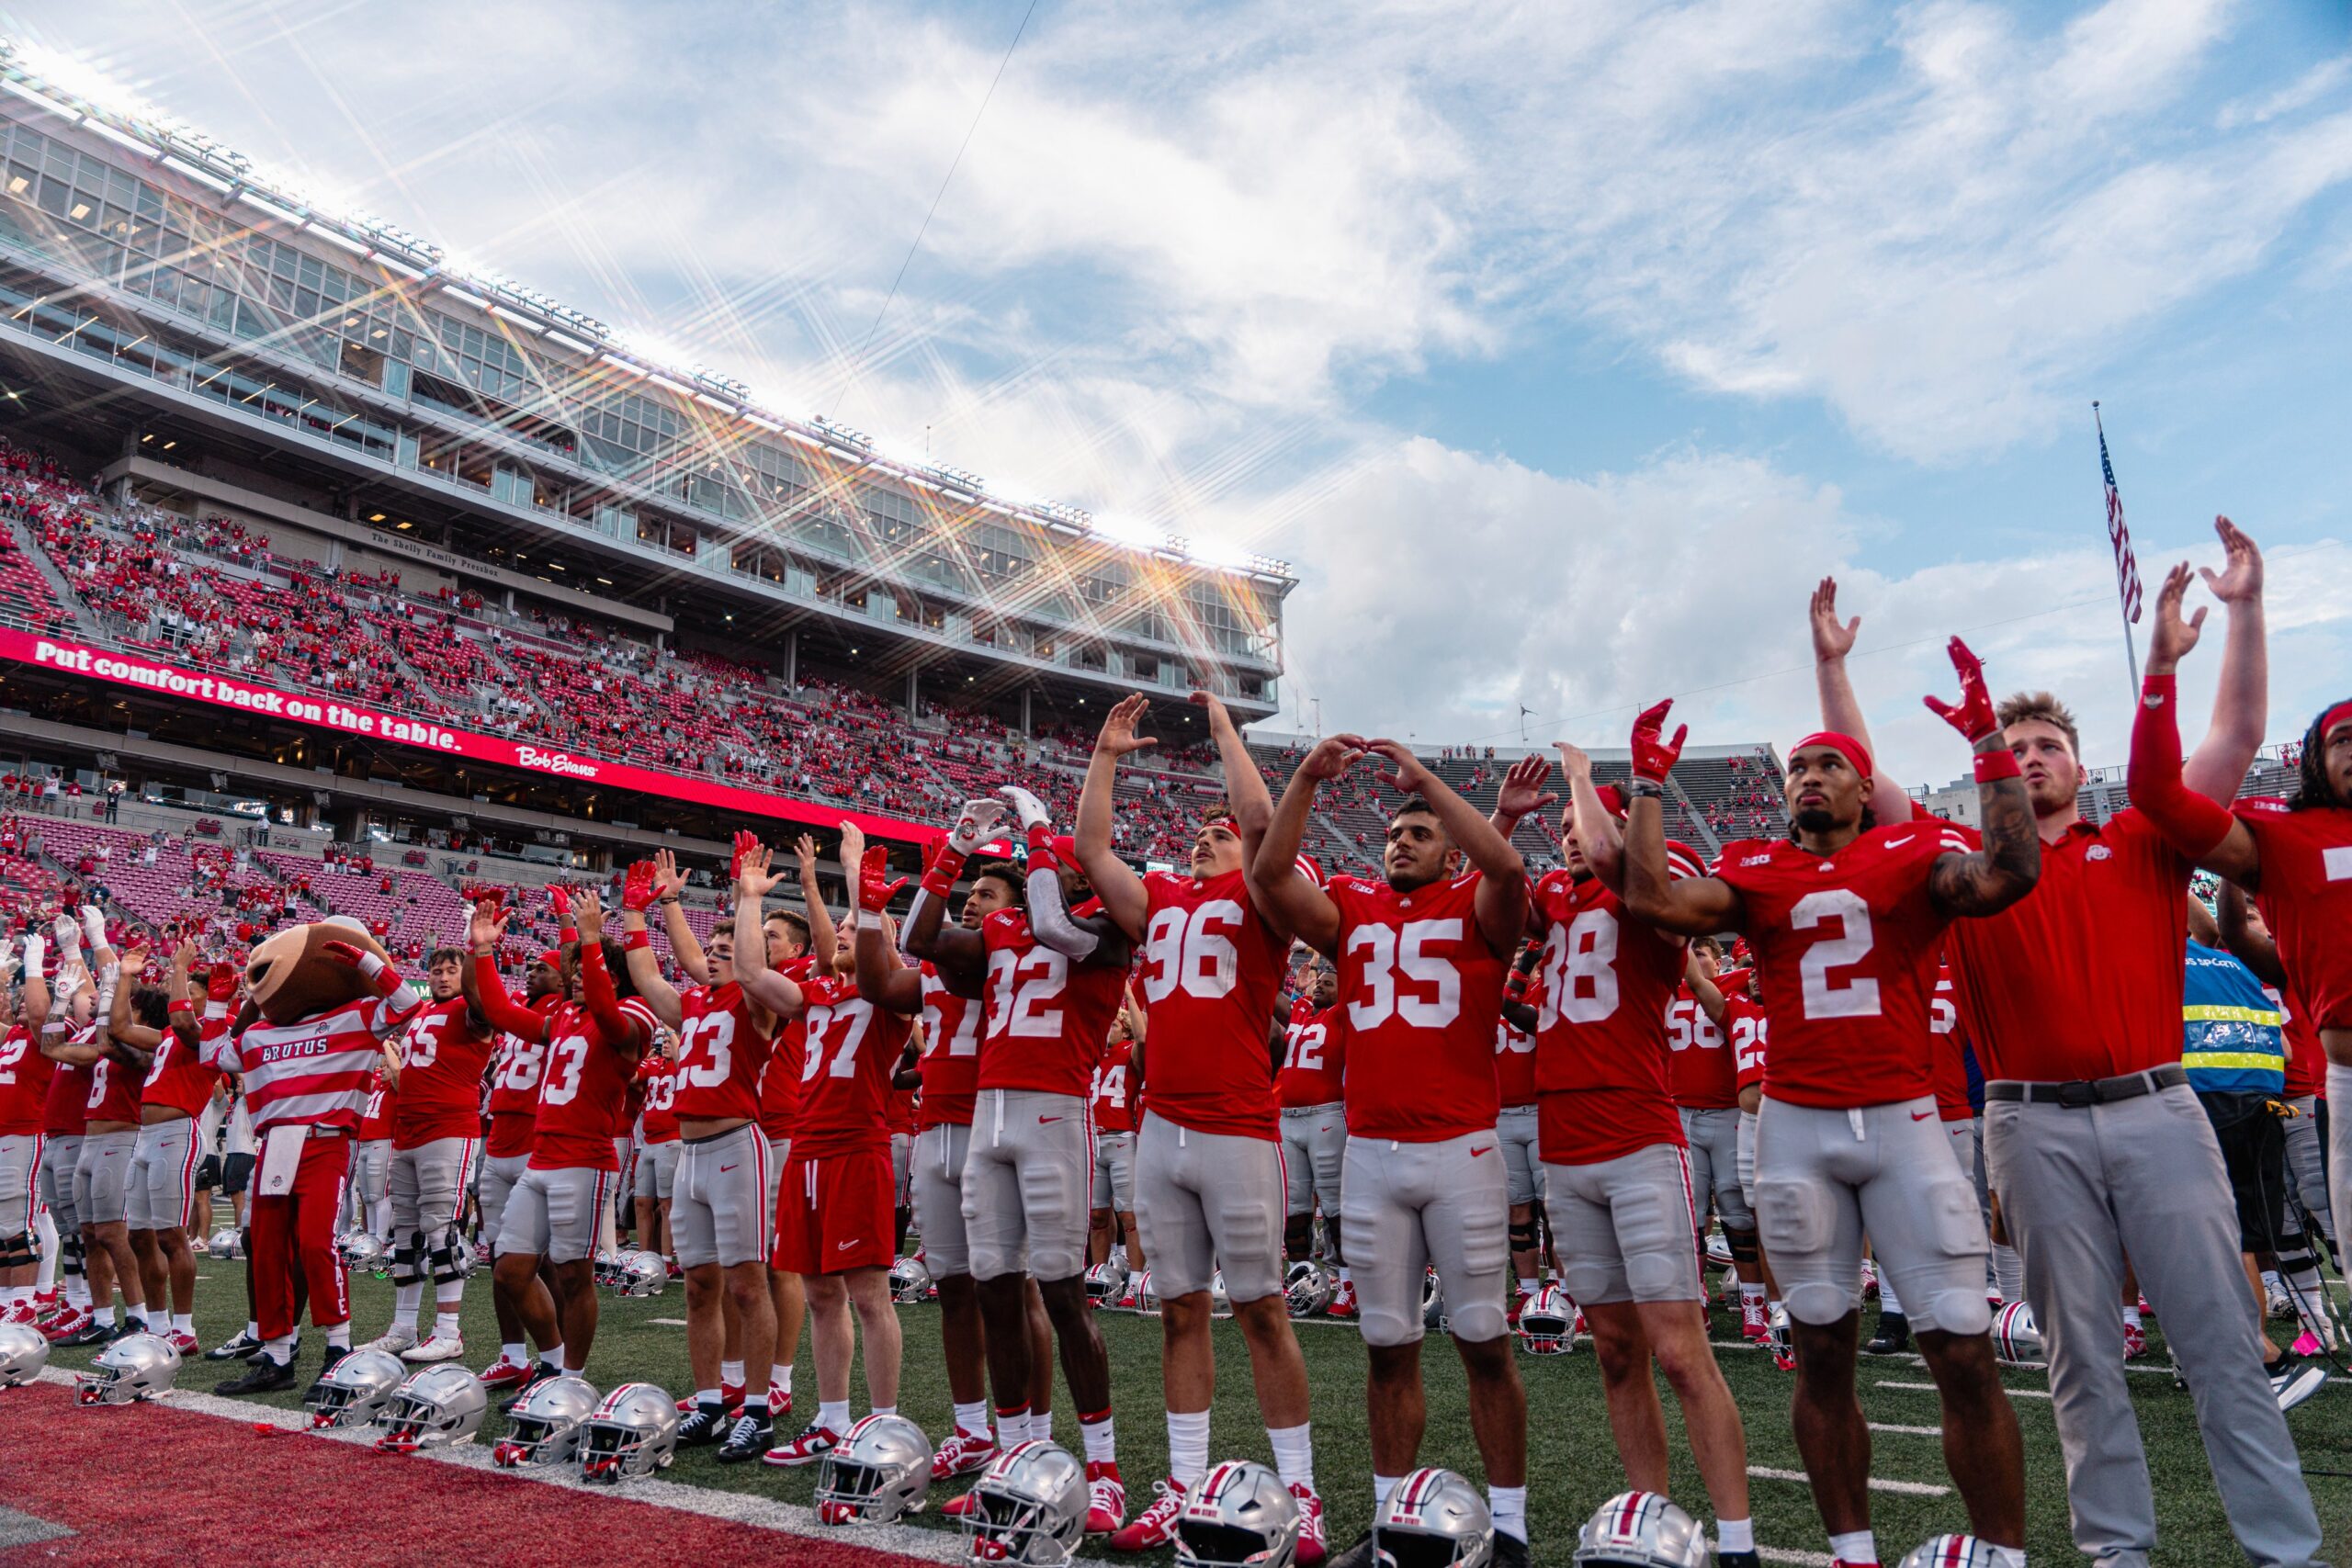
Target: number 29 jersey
1212	972
1422	992
1848	946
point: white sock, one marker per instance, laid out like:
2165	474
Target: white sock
834	1414
1526	1285
446	1326
113	1315
2270	1279
1188	1446
183	1323
379	1216
406	1301
731	1374
253	1330
1854	1547
515	1354
779	1379
280	1350
886	1410
972	1420
707	1398
1751	1290
46	1281
1508	1506
756	1404
1101	1446
1382	1485
77	1293
1294	1454
1734	1535
553	1354
1887	1303
2131	1315
1347	1275
339	1337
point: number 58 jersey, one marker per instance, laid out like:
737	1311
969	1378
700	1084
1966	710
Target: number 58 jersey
1421	993
1848	946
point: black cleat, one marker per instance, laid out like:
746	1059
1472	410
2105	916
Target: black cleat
1356	1554
1893	1336
1510	1552
540	1372
91	1333
751	1438
235	1348
703	1426
1737	1560
129	1325
334	1353
264	1376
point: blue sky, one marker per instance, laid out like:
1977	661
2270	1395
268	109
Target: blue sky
1563	347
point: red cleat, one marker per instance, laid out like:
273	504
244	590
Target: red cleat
1343	1302
503	1373
1106	1499
1311	1540
1156	1526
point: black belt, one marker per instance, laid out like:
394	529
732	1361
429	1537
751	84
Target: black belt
2076	1093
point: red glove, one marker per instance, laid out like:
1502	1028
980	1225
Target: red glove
1974	716
745	839
381	977
637	891
942	864
559	900
1654	756
220	985
875	890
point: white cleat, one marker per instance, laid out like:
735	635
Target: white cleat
395	1339
434	1346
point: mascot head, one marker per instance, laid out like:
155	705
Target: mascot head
290	977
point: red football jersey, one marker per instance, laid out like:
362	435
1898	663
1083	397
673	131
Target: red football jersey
721	1054
1698	1067
24	1083
951	1053
1949	1064
2306	899
902	1112
66	1110
2306	1058
1421	991
1600	1045
1749	1029
1212	973
1047	1017
376	1116
1315	1061
1515	1055
657	1116
1112	1110
442	1066
1848	946
845	1087
180	1077
583	1096
780	1080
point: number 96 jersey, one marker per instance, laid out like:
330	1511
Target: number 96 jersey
1211	971
1848	946
1421	993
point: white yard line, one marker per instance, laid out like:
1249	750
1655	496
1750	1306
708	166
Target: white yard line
1902	1431
1909	1488
1930	1388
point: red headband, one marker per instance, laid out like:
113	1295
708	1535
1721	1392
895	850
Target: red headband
552	958
2338	715
1855	751
1612	799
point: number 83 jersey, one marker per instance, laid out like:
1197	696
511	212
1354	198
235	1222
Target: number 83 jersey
1849	944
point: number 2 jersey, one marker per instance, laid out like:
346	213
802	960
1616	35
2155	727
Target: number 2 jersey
1848	946
1422	992
1047	1016
845	1081
1212	972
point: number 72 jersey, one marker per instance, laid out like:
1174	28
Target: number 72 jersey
1848	946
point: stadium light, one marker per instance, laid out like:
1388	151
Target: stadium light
1129	532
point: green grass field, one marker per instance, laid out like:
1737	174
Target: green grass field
1573	1464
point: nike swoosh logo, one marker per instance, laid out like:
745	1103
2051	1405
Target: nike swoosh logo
844	1247
1043	1121
1898	843
725	1168
1488	1150
1921	1115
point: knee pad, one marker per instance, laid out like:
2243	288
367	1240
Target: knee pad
1742	1244
404	1261
69	1252
1298	1236
1817	1302
1523	1236
20	1251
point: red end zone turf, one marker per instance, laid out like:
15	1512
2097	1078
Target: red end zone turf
151	1485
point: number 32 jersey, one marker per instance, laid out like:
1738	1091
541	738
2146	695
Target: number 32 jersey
1048	1017
1422	992
1848	946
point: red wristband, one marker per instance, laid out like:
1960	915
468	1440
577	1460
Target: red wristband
187	1008
632	941
567	933
1041	845
1995	765
939	881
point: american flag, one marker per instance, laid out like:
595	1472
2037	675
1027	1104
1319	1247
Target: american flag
2127	568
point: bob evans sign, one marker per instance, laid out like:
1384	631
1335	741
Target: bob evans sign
110	665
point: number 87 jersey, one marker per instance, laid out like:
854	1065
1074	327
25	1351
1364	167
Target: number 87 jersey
1849	944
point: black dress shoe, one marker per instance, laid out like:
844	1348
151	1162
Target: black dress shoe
264	1377
1894	1335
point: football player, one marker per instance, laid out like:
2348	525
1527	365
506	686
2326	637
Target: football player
1422	956
1112	1213
1846	918
25	1074
1208	1176
506	1152
1315	1126
102	1181
163	1169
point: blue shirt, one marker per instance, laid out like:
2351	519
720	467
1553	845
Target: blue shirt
2233	1038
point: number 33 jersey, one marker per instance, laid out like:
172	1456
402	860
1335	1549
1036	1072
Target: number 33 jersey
1421	993
1211	971
1848	946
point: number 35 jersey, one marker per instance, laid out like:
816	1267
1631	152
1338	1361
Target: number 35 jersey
1422	992
1211	971
1848	946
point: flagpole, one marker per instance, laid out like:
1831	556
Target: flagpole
2131	653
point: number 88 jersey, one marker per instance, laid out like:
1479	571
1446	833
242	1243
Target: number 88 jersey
1848	946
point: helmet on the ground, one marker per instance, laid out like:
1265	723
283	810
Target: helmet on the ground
225	1242
878	1473
1220	1300
350	1393
1433	1519
135	1366
438	1406
607	1268
1308	1288
1240	1516
1146	1294
633	1432
362	1251
1718	1250
909	1281
1029	1507
545	1422
1432	1301
1104	1283
2016	1337
1951	1552
24	1351
1642	1529
642	1274
1547	1324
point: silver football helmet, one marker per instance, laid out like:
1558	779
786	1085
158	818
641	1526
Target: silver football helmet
909	1281
607	1273
1433	1519
1951	1552
355	1389
1432	1303
633	1432
135	1366
1029	1506
436	1406
362	1251
1547	1325
2017	1339
1105	1283
24	1351
1240	1515
546	1424
879	1472
1718	1250
642	1274
1308	1288
1220	1300
1642	1529
225	1242
1146	1294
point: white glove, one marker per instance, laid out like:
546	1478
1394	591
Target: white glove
974	825
69	939
1027	809
93	926
108	979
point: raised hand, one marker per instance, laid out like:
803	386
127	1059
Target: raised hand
804	855
1027	809
1574	763
638	887
853	849
1332	756
874	886
1831	639
976	824
745	841
2240	580
184	956
1210	703
220	986
589	914
2172	638
668	880
1523	794
487	927
1974	716
559	900
753	877
1654	755
1118	735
